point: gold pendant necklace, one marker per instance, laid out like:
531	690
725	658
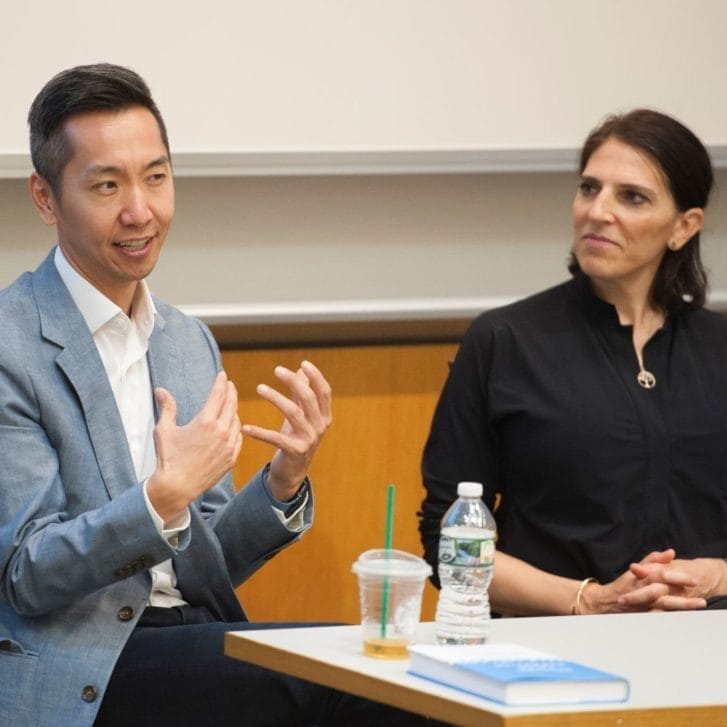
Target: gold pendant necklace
646	379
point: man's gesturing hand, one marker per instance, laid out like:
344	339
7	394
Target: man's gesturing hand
192	458
307	415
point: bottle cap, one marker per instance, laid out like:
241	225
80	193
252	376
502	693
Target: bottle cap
469	489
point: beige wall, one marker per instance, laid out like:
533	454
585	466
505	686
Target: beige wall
243	240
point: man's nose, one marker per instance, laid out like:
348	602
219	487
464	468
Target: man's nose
137	211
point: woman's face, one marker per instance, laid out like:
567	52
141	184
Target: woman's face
624	216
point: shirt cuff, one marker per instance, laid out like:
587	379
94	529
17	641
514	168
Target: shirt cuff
176	526
291	513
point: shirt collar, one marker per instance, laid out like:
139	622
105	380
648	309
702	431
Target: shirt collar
598	309
97	310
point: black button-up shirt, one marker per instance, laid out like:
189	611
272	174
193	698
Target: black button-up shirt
542	404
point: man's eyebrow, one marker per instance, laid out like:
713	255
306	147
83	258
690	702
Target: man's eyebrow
158	162
98	170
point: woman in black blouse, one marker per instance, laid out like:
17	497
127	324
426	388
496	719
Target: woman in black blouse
598	409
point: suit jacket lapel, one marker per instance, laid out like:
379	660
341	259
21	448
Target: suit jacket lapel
166	368
62	324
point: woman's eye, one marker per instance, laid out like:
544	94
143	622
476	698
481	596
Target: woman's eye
587	188
634	197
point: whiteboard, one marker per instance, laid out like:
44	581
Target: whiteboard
380	75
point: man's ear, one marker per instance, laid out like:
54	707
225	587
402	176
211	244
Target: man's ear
43	198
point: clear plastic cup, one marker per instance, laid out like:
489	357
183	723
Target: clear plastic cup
391	583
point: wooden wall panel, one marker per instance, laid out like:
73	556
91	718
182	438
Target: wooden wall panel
384	397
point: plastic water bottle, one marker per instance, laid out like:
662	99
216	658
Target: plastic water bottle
466	557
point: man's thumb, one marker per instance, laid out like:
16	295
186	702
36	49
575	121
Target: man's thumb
167	407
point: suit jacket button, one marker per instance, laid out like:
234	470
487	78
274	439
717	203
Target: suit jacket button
89	693
126	613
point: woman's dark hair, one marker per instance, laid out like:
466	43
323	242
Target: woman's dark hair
680	279
98	87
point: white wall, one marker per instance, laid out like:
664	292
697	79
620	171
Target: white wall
291	239
362	74
240	78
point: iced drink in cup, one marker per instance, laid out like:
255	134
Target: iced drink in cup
391	583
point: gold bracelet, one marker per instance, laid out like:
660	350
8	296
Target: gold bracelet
576	610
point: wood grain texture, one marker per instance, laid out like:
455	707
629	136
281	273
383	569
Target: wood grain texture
384	397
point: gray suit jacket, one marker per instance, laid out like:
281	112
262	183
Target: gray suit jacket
76	539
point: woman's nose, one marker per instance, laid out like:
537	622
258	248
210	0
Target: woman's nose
601	207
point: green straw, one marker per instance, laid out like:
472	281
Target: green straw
388	534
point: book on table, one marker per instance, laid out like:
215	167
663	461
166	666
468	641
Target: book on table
515	675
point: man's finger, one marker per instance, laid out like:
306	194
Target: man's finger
216	398
269	436
304	396
228	410
293	412
321	387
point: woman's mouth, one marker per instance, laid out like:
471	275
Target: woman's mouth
595	240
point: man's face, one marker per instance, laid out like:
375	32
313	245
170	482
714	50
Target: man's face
116	202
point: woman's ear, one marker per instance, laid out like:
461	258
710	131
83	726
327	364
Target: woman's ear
42	196
688	225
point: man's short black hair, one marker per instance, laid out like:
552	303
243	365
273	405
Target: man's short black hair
97	87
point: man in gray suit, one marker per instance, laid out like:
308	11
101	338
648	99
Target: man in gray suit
121	537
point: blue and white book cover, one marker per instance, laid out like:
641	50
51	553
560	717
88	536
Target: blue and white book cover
515	674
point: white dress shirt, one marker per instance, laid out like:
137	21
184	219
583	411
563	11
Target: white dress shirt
122	344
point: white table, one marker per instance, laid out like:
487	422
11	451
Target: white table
674	662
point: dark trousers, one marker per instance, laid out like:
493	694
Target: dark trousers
177	675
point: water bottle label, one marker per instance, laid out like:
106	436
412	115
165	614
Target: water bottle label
466	552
